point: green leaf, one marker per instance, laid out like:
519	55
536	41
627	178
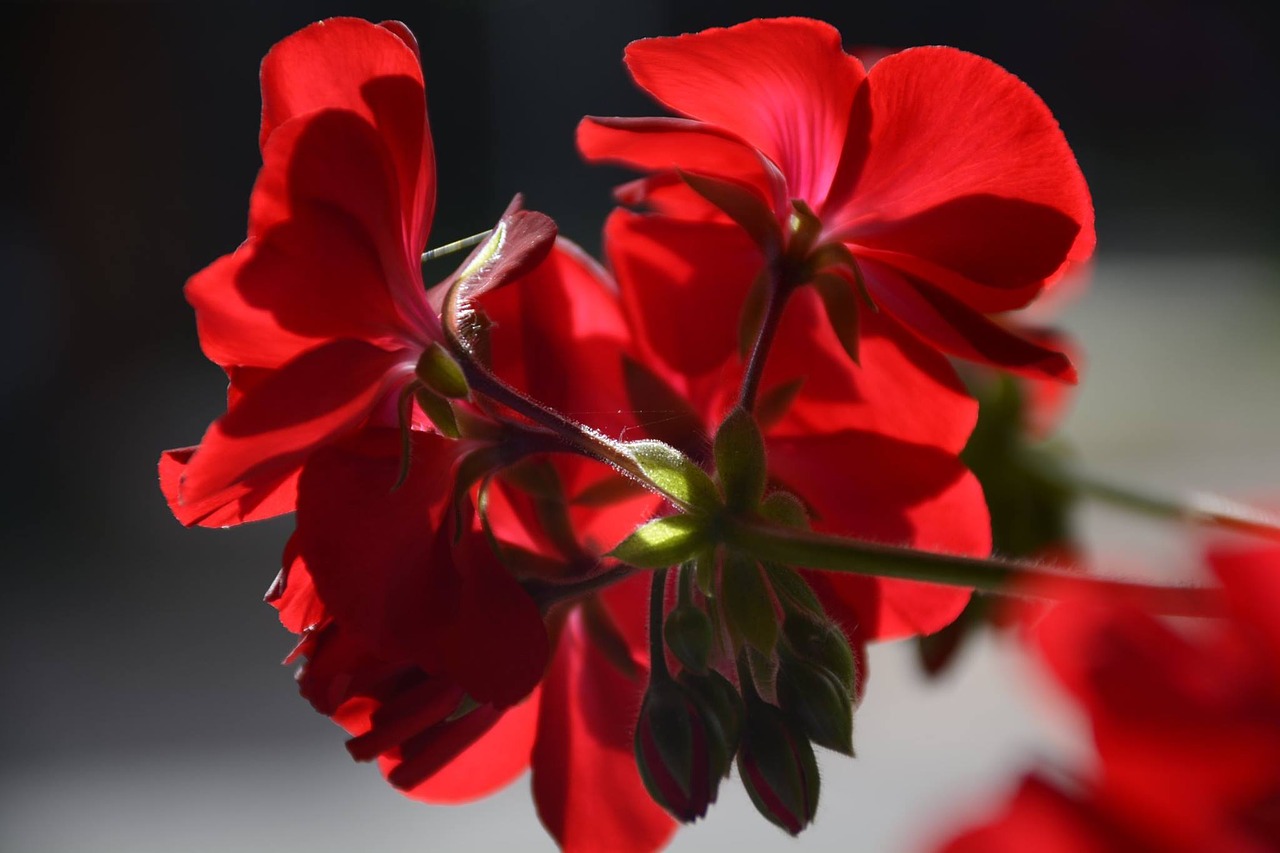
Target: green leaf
441	373
674	473
740	461
662	542
792	588
747	602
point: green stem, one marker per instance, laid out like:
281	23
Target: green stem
1195	508
657	648
838	554
764	342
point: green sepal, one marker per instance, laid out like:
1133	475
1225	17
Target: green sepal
753	311
675	474
438	410
740	461
792	590
704	571
842	311
747	602
785	509
743	206
775	402
441	373
663	542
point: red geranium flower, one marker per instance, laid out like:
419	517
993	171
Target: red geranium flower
1186	726
320	317
944	177
872	450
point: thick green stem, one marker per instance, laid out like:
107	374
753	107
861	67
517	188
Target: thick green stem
1196	508
838	554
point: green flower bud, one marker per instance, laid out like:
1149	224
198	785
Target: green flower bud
817	701
778	768
820	641
675	753
688	634
722	704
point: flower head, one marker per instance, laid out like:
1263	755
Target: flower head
937	182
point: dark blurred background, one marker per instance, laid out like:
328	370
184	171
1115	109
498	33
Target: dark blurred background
136	653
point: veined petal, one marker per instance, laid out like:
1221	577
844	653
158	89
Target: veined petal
964	166
893	492
785	86
336	161
902	389
683	285
667	144
494	760
317	398
372	71
386	564
247	502
955	328
559	336
586	786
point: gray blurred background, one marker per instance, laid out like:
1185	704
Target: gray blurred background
144	708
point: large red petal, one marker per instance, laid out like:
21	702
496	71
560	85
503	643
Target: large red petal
559	336
785	86
667	144
585	782
955	328
386	565
965	167
901	388
683	285
246	502
892	492
374	72
317	398
492	762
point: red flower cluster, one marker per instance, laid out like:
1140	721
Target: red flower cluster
461	613
1186	725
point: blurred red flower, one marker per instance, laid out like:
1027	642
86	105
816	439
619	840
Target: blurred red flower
945	177
1186	724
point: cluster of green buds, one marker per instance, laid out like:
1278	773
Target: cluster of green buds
747	668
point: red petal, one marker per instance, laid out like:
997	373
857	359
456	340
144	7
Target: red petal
965	166
374	72
236	505
683	284
666	144
902	389
893	492
492	762
957	329
585	782
293	594
559	336
785	86
387	568
315	399
1041	817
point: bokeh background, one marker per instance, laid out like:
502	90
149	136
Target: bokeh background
144	708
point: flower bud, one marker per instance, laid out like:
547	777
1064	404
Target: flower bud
820	641
688	634
778	768
673	751
817	702
722	707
